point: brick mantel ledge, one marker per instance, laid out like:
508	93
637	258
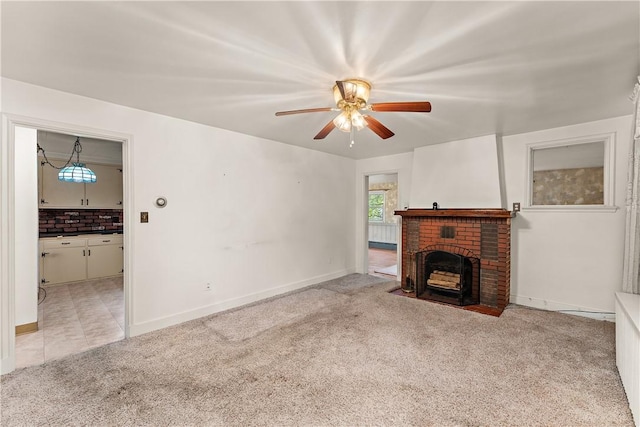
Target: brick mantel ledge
462	213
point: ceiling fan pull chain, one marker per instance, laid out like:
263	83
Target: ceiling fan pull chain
352	137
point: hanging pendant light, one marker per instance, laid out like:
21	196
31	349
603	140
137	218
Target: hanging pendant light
77	172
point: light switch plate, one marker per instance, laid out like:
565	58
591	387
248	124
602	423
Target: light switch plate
516	207
144	216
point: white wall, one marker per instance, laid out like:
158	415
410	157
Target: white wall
457	174
567	260
26	231
252	217
560	260
398	163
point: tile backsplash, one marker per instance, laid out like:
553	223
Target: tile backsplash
81	220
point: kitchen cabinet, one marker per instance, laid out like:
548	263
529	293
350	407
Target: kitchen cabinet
53	193
104	257
63	260
105	193
80	258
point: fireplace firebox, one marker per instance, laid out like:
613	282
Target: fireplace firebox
451	276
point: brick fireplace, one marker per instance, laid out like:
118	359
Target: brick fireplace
481	235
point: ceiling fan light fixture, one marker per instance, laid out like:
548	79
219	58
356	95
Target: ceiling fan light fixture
351	97
343	121
354	90
357	120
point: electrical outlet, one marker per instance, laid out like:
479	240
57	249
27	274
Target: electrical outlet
144	217
207	286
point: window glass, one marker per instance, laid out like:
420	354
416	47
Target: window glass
573	173
376	206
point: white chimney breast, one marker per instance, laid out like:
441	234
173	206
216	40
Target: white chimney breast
457	174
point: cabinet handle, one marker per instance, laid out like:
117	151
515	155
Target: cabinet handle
87	202
84	253
65	243
89	252
42	201
106	241
44	281
44	254
82	202
119	203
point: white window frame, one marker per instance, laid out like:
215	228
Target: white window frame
384	205
609	173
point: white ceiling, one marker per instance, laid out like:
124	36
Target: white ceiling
486	67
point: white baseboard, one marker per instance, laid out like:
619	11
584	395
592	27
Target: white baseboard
7	365
543	304
164	322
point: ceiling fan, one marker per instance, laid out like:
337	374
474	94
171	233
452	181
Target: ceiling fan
351	97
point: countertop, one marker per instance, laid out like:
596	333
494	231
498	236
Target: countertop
80	233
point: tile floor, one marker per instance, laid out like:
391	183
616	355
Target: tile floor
74	318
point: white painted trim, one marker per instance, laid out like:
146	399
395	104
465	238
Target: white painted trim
543	304
7	245
185	316
628	348
609	140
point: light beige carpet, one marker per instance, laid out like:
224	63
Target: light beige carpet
345	353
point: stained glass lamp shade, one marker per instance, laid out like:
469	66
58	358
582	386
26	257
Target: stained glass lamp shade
77	172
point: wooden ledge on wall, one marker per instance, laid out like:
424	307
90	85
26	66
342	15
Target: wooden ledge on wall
27	328
458	212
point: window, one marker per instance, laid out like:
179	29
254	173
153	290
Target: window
571	174
376	206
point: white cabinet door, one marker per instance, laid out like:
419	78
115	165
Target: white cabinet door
104	257
106	192
54	193
64	261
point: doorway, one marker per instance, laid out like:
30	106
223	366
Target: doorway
382	224
80	291
23	250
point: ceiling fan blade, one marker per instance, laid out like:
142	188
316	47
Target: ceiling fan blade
306	110
381	130
415	107
325	130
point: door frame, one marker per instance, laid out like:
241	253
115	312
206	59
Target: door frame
7	228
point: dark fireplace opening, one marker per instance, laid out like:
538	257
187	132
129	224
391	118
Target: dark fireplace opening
448	277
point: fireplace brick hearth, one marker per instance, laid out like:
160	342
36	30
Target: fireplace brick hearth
485	233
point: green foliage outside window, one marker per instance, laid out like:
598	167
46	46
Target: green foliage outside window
376	206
